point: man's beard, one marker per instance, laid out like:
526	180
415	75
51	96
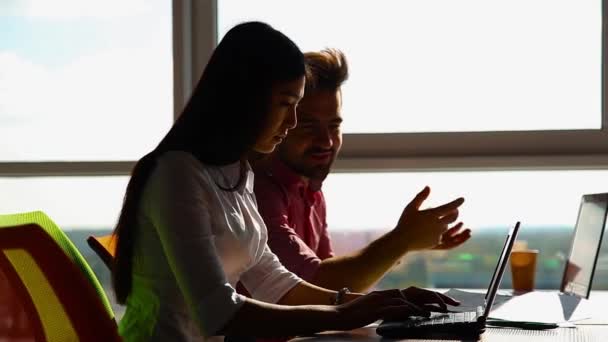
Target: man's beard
317	172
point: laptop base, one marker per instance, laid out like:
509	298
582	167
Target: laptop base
470	331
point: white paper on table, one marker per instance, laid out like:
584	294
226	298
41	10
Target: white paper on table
544	307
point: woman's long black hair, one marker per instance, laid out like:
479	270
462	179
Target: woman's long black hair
220	123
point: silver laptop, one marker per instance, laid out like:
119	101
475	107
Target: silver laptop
586	244
455	325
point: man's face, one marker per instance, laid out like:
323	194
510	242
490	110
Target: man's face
311	147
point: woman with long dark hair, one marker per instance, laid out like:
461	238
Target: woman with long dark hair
189	228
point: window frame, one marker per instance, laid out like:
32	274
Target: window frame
195	36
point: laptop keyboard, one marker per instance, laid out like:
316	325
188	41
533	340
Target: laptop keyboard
443	318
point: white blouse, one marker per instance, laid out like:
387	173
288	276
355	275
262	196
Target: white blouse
194	242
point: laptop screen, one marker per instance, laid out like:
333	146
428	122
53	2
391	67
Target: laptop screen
500	269
586	244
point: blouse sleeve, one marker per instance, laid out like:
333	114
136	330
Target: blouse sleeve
268	280
177	196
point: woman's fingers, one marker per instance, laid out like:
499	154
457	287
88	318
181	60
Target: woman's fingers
447	299
422	296
444	299
403	308
439	300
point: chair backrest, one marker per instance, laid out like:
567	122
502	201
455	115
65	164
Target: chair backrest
104	246
58	291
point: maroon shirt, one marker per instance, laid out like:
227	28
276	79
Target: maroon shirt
294	213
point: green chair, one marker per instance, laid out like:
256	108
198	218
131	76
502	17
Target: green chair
58	292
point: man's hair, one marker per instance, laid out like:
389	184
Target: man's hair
326	69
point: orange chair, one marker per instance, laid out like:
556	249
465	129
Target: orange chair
58	292
104	246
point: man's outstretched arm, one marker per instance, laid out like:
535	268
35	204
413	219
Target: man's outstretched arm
416	230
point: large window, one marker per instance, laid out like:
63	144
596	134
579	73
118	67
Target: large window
470	80
497	101
86	88
84	81
452	66
466	86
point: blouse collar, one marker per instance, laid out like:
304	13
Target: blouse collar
228	176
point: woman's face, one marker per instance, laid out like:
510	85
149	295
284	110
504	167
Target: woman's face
284	99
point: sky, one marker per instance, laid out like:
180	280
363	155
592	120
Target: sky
92	80
91	65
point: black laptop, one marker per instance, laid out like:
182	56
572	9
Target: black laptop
453	325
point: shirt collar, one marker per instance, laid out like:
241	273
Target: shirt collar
250	180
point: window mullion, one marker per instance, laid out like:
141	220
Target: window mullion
52	169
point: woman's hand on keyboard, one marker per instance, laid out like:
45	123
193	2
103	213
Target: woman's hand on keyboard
429	300
375	306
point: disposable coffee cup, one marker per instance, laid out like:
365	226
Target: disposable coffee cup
523	269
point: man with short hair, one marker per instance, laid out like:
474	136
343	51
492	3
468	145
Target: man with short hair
290	199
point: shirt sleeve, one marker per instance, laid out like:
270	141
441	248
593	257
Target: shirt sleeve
268	280
325	249
291	250
177	194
